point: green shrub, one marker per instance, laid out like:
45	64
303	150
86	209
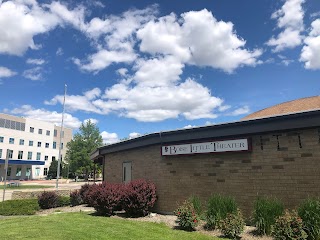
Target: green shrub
265	212
218	208
197	205
289	227
48	200
309	211
75	198
19	207
63	201
233	225
186	216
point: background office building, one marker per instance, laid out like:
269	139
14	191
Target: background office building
33	144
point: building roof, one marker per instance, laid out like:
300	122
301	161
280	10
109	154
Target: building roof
244	128
294	106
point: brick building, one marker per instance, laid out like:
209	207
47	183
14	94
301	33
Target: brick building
273	152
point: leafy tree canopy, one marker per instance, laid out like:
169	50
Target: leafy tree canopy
81	146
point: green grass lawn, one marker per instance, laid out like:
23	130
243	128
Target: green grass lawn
79	226
27	187
19	207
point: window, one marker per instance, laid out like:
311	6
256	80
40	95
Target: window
54	145
11	140
21	142
1	139
40	131
47	145
37	171
30	143
18	172
10	154
45	171
53	158
31	129
0	153
46	158
29	155
48	133
39	144
28	172
61	145
9	172
38	156
55	133
20	154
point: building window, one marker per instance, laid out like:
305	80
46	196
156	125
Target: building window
28	172
10	154
46	158
11	140
39	144
40	131
38	156
1	139
21	142
48	133
53	158
9	172
55	133
45	171
20	154
47	145
54	145
30	143
31	129
37	173
0	153
61	145
18	172
29	155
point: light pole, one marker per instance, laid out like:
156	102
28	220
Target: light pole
5	174
59	157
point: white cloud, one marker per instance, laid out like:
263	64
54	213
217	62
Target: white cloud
6	72
33	74
92	120
197	38
240	111
290	19
47	116
123	72
20	21
59	51
35	61
78	102
109	138
310	51
189	126
134	135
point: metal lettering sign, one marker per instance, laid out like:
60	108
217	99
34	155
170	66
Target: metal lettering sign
206	147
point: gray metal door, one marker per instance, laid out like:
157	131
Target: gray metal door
126	172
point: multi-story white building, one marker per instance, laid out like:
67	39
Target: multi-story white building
32	145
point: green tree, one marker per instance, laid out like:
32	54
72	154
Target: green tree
52	173
81	146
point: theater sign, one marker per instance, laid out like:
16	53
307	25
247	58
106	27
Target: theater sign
235	145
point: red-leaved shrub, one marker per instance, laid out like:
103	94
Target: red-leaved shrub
139	197
107	198
48	200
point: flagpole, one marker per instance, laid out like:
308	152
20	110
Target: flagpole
59	156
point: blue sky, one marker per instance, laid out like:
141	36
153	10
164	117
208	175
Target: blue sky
137	67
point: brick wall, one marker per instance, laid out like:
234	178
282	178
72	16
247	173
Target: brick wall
287	168
35	194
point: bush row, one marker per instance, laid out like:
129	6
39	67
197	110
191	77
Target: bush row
51	199
135	198
269	217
